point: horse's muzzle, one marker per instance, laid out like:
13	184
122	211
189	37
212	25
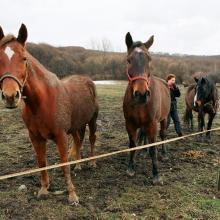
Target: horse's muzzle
11	101
140	98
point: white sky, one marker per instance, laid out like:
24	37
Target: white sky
188	26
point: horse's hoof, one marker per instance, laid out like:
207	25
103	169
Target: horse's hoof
208	139
164	158
199	139
143	153
157	180
43	193
77	167
130	172
73	199
93	164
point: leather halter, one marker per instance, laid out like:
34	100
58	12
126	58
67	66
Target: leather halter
131	79
20	84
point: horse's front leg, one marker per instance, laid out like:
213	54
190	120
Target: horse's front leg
209	125
132	134
152	134
201	124
40	148
61	141
201	121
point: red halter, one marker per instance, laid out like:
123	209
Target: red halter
137	77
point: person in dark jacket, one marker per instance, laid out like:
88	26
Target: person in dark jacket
174	92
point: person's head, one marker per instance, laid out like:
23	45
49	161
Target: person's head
171	79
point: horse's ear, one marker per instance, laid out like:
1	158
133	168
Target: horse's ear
203	80
22	34
128	40
149	42
196	79
1	33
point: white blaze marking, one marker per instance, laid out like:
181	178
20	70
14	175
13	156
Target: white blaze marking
139	50
9	52
195	99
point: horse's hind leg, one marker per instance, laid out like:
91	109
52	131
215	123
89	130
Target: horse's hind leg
163	126
191	119
92	137
140	138
188	118
152	133
40	148
74	152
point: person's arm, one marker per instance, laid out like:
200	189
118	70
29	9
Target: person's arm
176	91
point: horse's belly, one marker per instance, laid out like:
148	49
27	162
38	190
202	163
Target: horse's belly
81	117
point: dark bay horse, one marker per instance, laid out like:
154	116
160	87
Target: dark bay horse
52	109
201	97
146	101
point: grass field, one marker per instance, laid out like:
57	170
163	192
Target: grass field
189	190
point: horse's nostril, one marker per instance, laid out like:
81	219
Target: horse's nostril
136	93
17	95
3	96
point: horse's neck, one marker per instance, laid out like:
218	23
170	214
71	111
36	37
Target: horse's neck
38	84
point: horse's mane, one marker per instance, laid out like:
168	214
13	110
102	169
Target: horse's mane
50	77
162	80
191	86
6	39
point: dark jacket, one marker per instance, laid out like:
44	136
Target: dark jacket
174	92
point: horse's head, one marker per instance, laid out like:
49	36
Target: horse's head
203	90
13	66
138	70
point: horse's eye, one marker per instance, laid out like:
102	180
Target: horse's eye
24	58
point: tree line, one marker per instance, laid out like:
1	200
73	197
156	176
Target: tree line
104	65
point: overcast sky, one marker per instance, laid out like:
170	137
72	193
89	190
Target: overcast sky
188	27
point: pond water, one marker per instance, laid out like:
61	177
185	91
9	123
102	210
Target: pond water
108	82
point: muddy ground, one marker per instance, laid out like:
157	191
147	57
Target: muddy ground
190	174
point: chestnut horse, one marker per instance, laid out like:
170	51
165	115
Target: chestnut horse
146	101
52	109
201	97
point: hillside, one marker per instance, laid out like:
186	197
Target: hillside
111	65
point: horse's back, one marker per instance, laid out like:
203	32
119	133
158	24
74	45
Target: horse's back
189	97
80	85
161	97
82	96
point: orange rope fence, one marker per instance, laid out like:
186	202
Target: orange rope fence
35	170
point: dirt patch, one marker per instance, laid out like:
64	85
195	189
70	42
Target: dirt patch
195	154
189	190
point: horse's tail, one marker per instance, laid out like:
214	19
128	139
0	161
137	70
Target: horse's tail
92	89
186	116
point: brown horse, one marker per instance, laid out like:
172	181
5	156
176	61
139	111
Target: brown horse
146	101
52	109
201	97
